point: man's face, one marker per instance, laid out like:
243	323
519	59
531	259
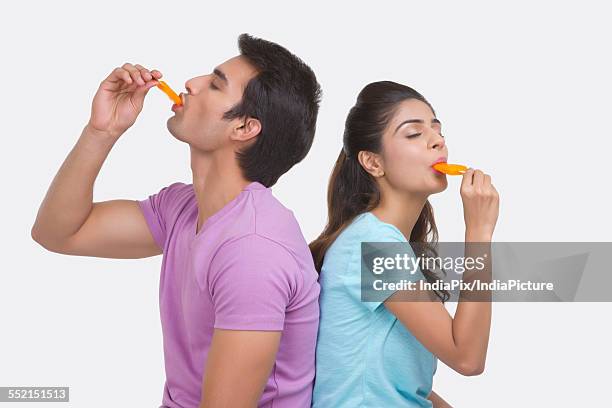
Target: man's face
199	121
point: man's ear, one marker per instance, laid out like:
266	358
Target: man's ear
371	162
246	131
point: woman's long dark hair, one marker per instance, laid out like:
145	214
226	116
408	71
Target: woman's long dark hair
352	190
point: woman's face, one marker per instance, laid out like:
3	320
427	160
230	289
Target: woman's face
411	143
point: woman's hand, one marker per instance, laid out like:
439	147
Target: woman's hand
120	98
480	204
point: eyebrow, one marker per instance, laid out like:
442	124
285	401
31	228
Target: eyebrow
434	120
220	74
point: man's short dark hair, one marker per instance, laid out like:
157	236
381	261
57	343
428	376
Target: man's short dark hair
284	96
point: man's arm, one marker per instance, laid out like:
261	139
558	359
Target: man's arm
68	221
250	282
238	366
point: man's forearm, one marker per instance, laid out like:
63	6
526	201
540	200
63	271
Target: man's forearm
69	198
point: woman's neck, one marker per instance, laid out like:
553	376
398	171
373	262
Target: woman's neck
400	210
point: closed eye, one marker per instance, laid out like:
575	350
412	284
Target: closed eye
419	134
212	85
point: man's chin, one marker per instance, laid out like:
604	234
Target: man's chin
173	131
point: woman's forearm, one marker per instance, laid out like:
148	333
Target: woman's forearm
437	401
472	321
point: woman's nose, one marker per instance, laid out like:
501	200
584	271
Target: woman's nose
439	142
189	86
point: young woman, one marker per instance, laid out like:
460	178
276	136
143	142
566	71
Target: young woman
384	354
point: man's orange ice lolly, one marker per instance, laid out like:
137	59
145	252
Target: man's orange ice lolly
450	169
168	91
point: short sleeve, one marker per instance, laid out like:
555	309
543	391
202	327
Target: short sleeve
358	285
156	210
251	281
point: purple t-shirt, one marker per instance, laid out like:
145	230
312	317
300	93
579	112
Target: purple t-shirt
248	268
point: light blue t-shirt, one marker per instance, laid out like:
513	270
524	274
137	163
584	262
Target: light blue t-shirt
365	357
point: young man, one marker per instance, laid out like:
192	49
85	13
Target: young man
238	287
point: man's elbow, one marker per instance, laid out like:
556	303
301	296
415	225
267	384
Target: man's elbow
44	241
37	236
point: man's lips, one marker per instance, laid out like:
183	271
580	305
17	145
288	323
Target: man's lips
176	107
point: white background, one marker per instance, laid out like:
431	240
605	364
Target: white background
523	92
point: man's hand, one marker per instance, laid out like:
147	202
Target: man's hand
238	366
68	220
120	98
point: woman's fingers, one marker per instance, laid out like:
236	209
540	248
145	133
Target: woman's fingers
467	180
468	177
478	179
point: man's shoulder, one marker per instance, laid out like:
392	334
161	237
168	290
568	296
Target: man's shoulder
174	192
275	222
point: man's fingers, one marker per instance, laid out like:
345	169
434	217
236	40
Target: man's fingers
146	75
141	91
137	74
119	74
134	73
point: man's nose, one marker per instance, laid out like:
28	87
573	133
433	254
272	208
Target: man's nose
194	85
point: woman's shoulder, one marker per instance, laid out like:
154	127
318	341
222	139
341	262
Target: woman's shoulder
344	255
367	227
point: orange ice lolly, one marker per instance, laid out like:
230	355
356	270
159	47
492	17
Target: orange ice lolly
450	169
168	91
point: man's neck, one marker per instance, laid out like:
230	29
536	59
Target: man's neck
217	180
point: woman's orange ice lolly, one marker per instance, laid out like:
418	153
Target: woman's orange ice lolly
168	91
450	169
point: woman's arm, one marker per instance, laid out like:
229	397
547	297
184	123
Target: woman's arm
437	401
460	342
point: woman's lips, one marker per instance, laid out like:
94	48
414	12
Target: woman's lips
176	107
440	160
